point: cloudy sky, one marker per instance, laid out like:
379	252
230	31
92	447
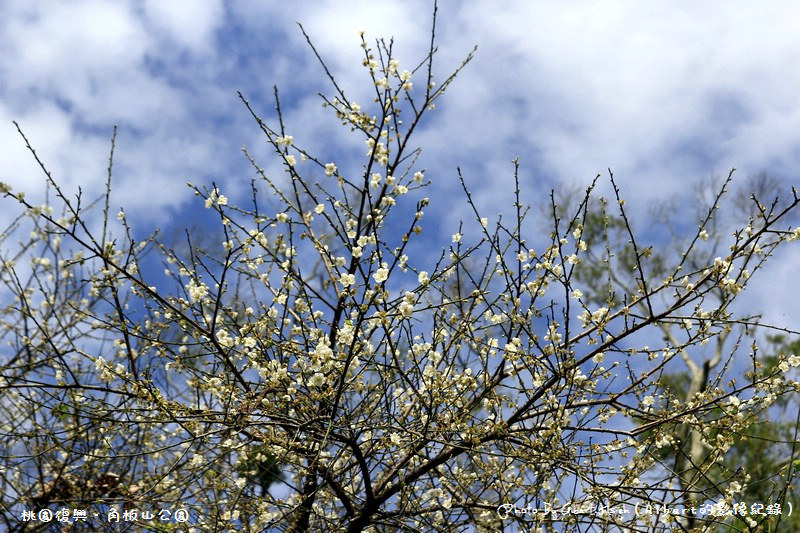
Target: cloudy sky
665	94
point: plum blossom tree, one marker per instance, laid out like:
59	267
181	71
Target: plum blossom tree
319	372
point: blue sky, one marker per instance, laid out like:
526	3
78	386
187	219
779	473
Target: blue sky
666	94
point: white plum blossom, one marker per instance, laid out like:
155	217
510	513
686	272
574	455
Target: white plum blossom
224	339
600	314
106	374
213	197
197	291
382	274
249	342
407	306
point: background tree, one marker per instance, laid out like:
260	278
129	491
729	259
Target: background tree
318	371
763	447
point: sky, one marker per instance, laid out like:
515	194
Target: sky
664	94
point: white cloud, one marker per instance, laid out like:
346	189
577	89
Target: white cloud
77	160
77	40
770	291
664	94
191	24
